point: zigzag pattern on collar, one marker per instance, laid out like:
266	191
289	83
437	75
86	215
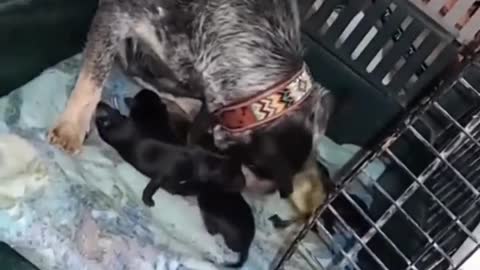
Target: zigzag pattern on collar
269	105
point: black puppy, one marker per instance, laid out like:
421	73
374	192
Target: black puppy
152	118
177	169
216	205
228	214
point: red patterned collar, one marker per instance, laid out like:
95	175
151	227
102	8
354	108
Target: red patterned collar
269	105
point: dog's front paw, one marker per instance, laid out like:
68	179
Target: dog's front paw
68	136
148	201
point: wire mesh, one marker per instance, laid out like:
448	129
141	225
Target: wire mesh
426	204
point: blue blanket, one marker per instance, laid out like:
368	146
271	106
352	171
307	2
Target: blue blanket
85	212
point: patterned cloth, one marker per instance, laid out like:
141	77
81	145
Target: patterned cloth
85	212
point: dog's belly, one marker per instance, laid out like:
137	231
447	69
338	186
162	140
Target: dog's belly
156	57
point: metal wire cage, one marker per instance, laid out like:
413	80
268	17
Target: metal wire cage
426	204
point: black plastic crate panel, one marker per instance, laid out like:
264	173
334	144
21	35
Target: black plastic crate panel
390	44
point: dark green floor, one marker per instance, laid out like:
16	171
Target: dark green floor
39	34
32	38
11	260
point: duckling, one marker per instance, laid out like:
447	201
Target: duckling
310	191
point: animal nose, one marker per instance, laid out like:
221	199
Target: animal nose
103	114
102	110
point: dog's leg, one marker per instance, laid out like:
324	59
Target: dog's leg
149	191
73	124
210	222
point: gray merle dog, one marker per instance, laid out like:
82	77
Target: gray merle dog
242	58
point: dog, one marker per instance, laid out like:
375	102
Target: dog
177	169
228	214
242	58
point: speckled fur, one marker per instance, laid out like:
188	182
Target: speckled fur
227	50
230	49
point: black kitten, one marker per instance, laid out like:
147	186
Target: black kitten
177	169
228	214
